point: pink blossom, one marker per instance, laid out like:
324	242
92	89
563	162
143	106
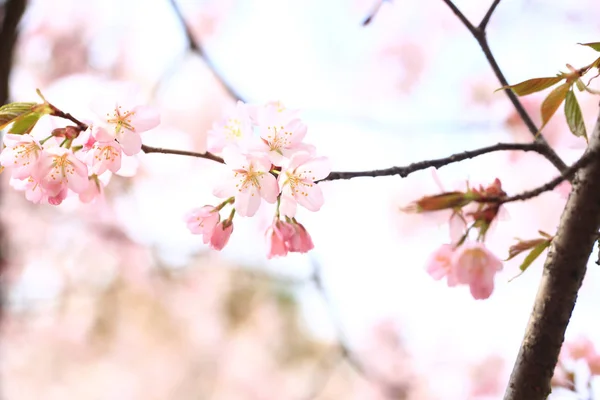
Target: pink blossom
202	221
95	189
476	266
124	122
32	188
249	182
278	235
235	129
58	168
300	241
22	153
440	264
104	155
297	183
272	112
221	235
280	141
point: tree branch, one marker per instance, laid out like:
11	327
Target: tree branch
195	46
404	171
209	156
392	389
479	35
564	270
567	174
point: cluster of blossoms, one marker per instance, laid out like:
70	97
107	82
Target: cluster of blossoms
465	260
78	159
263	148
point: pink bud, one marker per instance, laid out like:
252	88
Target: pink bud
221	235
300	242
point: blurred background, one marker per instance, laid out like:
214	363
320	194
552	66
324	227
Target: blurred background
118	300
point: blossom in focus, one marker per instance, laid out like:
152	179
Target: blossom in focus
281	141
297	183
21	153
202	221
249	181
58	169
476	266
104	155
124	121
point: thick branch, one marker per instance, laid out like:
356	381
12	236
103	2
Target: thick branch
13	10
564	270
196	47
479	35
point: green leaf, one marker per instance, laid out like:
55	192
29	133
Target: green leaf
574	115
553	101
594	45
533	255
25	123
10	112
580	85
533	85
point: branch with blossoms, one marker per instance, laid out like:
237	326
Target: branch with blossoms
262	145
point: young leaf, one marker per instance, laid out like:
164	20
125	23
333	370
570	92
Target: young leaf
10	112
595	45
580	85
553	101
574	115
533	255
533	85
25	123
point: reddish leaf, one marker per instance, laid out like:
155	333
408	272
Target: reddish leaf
553	101
533	85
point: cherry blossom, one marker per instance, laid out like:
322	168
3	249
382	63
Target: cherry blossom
249	181
124	121
476	266
297	183
281	141
221	234
104	155
58	169
440	264
202	221
278	236
300	241
22	153
235	129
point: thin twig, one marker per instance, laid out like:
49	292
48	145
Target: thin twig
480	36
195	46
567	174
209	156
404	171
392	389
488	15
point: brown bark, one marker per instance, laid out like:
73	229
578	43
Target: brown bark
12	11
563	274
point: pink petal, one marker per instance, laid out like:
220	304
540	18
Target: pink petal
315	169
145	118
268	187
287	206
247	202
131	142
313	200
